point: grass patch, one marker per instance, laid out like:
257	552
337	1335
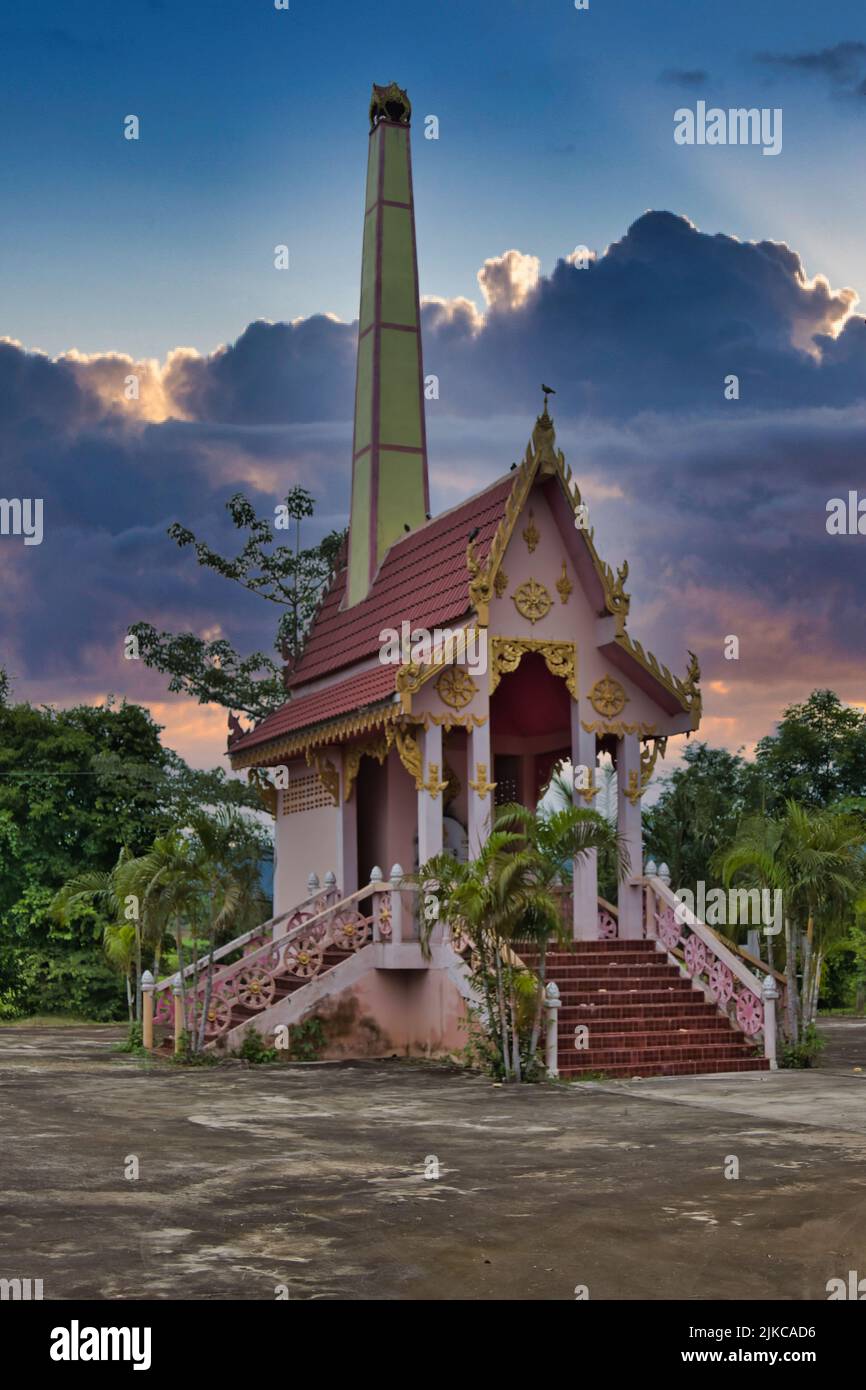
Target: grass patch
54	1021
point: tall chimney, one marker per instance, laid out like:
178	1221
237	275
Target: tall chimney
390	490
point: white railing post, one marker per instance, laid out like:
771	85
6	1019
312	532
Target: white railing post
552	1004
396	904
665	875
313	884
770	994
330	885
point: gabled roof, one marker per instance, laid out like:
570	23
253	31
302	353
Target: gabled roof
421	580
433	578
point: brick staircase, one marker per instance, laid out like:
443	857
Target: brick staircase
643	1018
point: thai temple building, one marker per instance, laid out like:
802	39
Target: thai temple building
396	749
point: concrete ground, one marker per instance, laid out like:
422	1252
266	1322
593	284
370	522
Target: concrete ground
313	1177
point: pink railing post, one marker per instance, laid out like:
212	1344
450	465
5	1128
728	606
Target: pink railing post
770	994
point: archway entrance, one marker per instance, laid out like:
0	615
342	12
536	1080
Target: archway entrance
530	730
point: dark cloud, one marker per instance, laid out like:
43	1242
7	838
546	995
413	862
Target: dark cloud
684	77
719	506
843	64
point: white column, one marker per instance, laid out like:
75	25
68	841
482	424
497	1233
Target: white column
628	816
585	875
479	770
430	802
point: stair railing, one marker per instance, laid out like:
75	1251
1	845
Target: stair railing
717	968
299	953
319	898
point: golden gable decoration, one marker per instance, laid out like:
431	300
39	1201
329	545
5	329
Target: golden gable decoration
560	658
564	585
608	697
531	533
456	687
532	600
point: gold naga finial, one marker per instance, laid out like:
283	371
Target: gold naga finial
389	103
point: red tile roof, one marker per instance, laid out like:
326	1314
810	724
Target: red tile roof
365	688
423	579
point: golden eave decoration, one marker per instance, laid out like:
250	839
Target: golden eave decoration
619	729
649	756
377	748
532	600
506	654
531	533
326	772
481	785
285	746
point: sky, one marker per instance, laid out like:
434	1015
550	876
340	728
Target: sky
556	130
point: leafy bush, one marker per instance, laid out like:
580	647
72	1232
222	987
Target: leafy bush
307	1040
804	1054
253	1049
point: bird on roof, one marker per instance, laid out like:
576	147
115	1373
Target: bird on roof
474	532
548	391
406	526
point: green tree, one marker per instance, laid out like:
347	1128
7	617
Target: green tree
288	577
817	756
816	859
508	895
698	811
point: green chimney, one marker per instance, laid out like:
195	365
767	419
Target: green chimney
389	450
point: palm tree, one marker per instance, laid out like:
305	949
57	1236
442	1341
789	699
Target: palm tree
508	894
559	839
815	857
226	859
129	930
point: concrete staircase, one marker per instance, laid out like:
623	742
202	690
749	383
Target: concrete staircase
643	1018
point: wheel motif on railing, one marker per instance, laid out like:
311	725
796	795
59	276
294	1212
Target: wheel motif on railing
696	955
721	982
606	927
668	928
350	931
219	1015
750	1012
303	958
254	987
298	919
253	944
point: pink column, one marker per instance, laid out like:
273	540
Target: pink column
585	875
430	802
628	811
347	837
479	774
